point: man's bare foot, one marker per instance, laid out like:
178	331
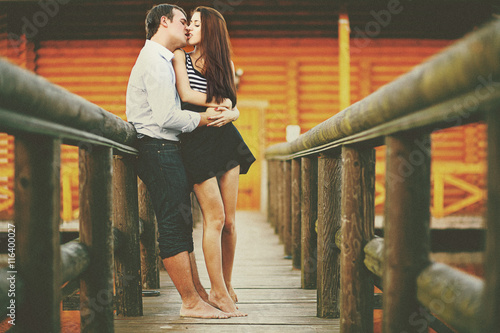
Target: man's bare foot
226	304
202	310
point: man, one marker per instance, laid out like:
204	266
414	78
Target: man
153	107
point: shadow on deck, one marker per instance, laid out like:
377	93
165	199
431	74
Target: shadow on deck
267	287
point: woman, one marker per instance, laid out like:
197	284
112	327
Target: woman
215	155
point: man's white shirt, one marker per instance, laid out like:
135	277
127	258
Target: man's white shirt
153	105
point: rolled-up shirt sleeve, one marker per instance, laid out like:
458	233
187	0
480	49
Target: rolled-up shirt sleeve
164	101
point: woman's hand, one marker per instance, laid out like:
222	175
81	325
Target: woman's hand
224	117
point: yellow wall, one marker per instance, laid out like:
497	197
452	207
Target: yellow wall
298	78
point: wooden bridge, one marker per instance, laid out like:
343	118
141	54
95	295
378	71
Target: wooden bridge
269	290
321	206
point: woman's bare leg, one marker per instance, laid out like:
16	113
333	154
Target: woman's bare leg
196	280
209	197
229	191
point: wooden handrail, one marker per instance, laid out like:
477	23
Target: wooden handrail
451	74
13	123
32	95
42	116
74	261
455	87
463	291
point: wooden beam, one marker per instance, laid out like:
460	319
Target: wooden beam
270	191
74	260
308	218
150	252
295	214
451	294
96	287
279	200
358	218
32	95
287	207
406	227
37	218
442	82
128	288
491	302
329	221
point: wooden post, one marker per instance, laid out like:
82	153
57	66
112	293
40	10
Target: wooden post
406	228
275	188
149	244
491	301
358	214
295	214
308	218
287	207
36	240
128	290
329	187
270	191
96	286
67	196
279	200
344	60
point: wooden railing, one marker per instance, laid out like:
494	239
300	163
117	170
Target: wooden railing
325	180
42	116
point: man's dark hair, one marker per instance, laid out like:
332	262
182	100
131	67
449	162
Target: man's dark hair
155	14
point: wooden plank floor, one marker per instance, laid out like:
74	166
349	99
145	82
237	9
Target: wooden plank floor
267	287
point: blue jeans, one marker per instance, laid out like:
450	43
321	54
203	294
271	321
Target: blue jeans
160	167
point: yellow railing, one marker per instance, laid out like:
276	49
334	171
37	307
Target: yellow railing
69	178
443	173
6	195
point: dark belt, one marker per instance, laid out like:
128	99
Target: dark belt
147	139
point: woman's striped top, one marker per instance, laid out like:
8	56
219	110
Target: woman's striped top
196	80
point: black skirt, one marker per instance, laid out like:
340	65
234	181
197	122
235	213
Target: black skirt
212	151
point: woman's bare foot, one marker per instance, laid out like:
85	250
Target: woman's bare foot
233	295
202	310
226	304
204	296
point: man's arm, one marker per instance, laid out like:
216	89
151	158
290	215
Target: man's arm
206	117
164	101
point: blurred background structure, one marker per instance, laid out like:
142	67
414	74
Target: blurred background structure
298	64
289	55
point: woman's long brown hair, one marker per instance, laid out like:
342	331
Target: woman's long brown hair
215	49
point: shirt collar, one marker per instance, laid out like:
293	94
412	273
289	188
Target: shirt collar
163	51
